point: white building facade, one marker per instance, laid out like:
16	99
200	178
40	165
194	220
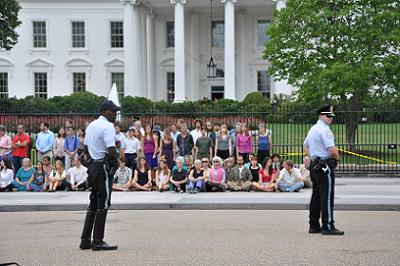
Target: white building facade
158	49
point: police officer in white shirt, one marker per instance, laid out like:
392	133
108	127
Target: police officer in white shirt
100	145
320	146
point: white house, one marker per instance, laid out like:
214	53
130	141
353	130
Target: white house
157	49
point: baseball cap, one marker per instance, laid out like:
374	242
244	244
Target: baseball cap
108	105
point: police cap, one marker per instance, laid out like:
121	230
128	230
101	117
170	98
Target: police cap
326	110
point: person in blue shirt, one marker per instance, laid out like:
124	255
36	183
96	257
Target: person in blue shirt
71	146
320	146
44	142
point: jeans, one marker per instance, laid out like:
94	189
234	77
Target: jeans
291	188
19	187
199	185
17	161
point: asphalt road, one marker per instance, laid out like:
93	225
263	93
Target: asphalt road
202	238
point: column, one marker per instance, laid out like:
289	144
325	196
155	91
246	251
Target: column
242	59
230	82
143	51
130	66
137	59
194	61
150	56
179	50
278	86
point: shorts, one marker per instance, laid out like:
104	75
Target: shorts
153	162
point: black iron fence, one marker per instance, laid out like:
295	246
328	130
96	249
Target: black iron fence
370	147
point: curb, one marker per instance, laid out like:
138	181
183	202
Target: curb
198	206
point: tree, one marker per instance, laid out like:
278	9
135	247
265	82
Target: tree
337	50
8	22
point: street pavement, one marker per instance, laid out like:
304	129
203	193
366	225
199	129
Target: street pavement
213	237
363	194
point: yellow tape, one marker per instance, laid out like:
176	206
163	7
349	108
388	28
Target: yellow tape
345	151
366	157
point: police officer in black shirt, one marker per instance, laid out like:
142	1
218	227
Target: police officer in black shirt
100	146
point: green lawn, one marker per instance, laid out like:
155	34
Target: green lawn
372	140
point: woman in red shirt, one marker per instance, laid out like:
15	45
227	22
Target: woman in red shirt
267	176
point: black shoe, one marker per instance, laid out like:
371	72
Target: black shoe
85	244
97	246
316	230
333	232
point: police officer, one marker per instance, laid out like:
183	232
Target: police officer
100	145
320	146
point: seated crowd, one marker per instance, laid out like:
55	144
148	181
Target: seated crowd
208	158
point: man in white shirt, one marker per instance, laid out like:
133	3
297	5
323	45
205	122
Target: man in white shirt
196	133
289	178
132	149
77	176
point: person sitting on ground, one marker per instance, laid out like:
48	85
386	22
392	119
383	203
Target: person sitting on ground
122	177
6	175
179	176
196	178
163	174
305	173
228	165
204	145
205	166
38	181
254	168
47	167
251	155
216	176
267	177
188	163
289	178
276	162
77	176
240	177
57	177
23	175
142	176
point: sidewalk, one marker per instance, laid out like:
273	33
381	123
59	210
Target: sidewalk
372	194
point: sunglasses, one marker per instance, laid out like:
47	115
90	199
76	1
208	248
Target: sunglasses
215	161
204	161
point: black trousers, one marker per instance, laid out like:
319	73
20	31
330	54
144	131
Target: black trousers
224	154
323	194
261	155
131	160
100	201
101	183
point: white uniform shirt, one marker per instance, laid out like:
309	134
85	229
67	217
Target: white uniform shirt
100	135
319	139
77	175
132	145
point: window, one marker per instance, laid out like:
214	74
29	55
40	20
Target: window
79	81
41	85
117	34
78	34
3	85
170	87
262	36
264	83
217	92
39	34
118	79
170	34
218	32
